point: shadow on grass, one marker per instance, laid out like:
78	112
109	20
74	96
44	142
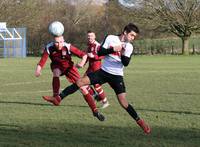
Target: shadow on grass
39	104
83	106
170	111
183	93
24	103
67	135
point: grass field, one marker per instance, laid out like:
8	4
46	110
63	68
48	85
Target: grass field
165	90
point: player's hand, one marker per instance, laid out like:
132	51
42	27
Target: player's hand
90	55
38	71
117	48
78	65
123	51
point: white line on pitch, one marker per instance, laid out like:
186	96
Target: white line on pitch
24	83
27	92
23	92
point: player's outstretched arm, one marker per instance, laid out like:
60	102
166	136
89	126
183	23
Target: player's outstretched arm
103	51
82	62
125	60
38	71
41	63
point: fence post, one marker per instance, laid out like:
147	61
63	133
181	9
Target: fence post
193	50
172	50
152	49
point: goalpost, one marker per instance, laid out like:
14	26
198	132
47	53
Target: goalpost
12	41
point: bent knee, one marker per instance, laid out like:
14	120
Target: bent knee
83	81
84	90
56	72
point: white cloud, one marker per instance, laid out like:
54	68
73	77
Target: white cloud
130	3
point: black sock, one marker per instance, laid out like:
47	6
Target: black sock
69	90
132	112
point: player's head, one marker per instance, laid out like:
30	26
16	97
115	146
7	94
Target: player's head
59	42
91	36
130	32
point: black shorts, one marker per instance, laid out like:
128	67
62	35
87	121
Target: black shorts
101	77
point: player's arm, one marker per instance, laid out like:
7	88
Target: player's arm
95	56
79	54
125	60
126	54
105	51
82	62
106	48
41	63
112	49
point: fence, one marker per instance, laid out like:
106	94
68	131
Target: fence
14	46
165	46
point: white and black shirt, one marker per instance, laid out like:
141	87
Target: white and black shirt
112	62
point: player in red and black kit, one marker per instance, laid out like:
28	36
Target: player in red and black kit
94	65
61	64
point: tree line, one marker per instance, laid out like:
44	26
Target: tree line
155	18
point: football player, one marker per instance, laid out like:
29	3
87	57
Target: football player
60	53
117	50
94	65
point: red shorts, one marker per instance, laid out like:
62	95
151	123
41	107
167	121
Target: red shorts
93	68
71	74
54	66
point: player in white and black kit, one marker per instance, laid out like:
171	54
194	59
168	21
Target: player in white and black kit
117	51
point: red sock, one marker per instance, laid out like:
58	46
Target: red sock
56	86
89	99
90	90
100	91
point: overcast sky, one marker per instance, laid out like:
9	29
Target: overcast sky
130	3
126	3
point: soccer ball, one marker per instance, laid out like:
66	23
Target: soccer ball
56	28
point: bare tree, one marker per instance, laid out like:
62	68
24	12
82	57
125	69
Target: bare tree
181	17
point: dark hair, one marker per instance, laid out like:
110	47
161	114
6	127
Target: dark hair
90	31
131	27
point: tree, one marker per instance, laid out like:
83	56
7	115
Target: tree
181	17
117	16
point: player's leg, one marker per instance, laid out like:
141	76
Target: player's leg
56	81
90	79
55	86
73	76
67	91
89	99
129	108
91	90
118	85
101	95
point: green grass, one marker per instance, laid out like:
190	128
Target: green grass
163	89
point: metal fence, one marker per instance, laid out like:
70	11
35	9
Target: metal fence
165	46
14	46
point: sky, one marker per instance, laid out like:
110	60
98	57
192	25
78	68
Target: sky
126	3
130	3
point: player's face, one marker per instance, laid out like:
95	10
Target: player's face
91	37
59	42
130	36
